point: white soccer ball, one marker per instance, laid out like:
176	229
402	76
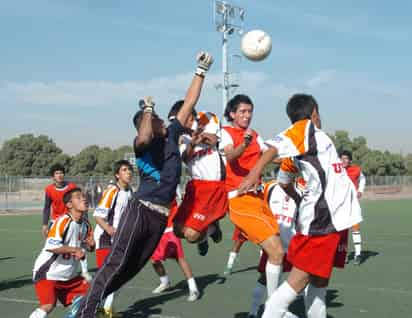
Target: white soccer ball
256	45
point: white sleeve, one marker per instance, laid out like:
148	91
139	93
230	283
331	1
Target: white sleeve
225	140
362	182
106	202
262	145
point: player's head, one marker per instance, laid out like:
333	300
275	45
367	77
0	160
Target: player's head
123	172
57	172
239	111
346	157
75	200
158	125
175	110
303	106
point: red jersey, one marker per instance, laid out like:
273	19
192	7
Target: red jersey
237	169
54	199
354	172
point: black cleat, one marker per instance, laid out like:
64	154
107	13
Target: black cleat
203	248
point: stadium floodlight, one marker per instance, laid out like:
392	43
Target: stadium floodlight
228	20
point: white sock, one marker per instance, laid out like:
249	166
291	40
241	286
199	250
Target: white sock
38	313
164	280
277	305
231	260
192	284
108	302
257	298
83	265
315	302
272	277
357	242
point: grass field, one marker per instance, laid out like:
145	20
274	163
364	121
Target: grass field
380	287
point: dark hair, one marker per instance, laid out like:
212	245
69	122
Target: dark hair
137	118
346	153
68	195
234	103
176	108
118	164
301	106
56	167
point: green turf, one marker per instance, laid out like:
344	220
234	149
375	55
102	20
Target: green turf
380	287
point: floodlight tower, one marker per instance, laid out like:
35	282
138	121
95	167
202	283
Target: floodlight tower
228	19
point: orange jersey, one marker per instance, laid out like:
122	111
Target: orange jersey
237	169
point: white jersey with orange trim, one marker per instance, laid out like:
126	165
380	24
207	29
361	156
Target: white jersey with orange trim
63	232
110	207
206	162
330	201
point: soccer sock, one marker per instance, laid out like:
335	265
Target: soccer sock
38	313
257	298
315	302
108	302
277	305
164	280
83	265
357	242
192	284
272	277
231	260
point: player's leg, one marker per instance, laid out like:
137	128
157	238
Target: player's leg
315	297
71	293
164	278
139	232
357	243
273	248
191	282
238	240
258	295
46	294
278	304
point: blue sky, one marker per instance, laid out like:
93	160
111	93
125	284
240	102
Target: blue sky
73	69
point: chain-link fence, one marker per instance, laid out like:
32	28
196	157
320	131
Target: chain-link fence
27	193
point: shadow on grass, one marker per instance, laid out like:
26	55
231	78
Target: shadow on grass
17	282
152	306
6	258
364	256
250	268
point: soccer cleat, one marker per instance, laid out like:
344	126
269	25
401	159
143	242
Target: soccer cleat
161	288
87	276
100	313
109	313
217	234
74	308
251	316
203	247
193	296
357	260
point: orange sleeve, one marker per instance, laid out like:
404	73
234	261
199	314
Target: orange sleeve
287	165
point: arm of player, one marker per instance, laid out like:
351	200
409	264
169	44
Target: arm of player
290	190
76	252
105	226
362	183
204	61
252	179
232	152
89	243
46	215
145	130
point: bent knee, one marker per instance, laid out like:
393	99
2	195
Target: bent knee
191	235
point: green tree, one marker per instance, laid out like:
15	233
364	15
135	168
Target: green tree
28	155
84	163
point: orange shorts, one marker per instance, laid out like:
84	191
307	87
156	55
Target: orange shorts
252	216
48	291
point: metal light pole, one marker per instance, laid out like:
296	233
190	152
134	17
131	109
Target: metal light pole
228	20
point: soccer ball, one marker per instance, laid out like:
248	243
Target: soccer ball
256	45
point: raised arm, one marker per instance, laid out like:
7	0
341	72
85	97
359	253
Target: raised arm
145	127
204	61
